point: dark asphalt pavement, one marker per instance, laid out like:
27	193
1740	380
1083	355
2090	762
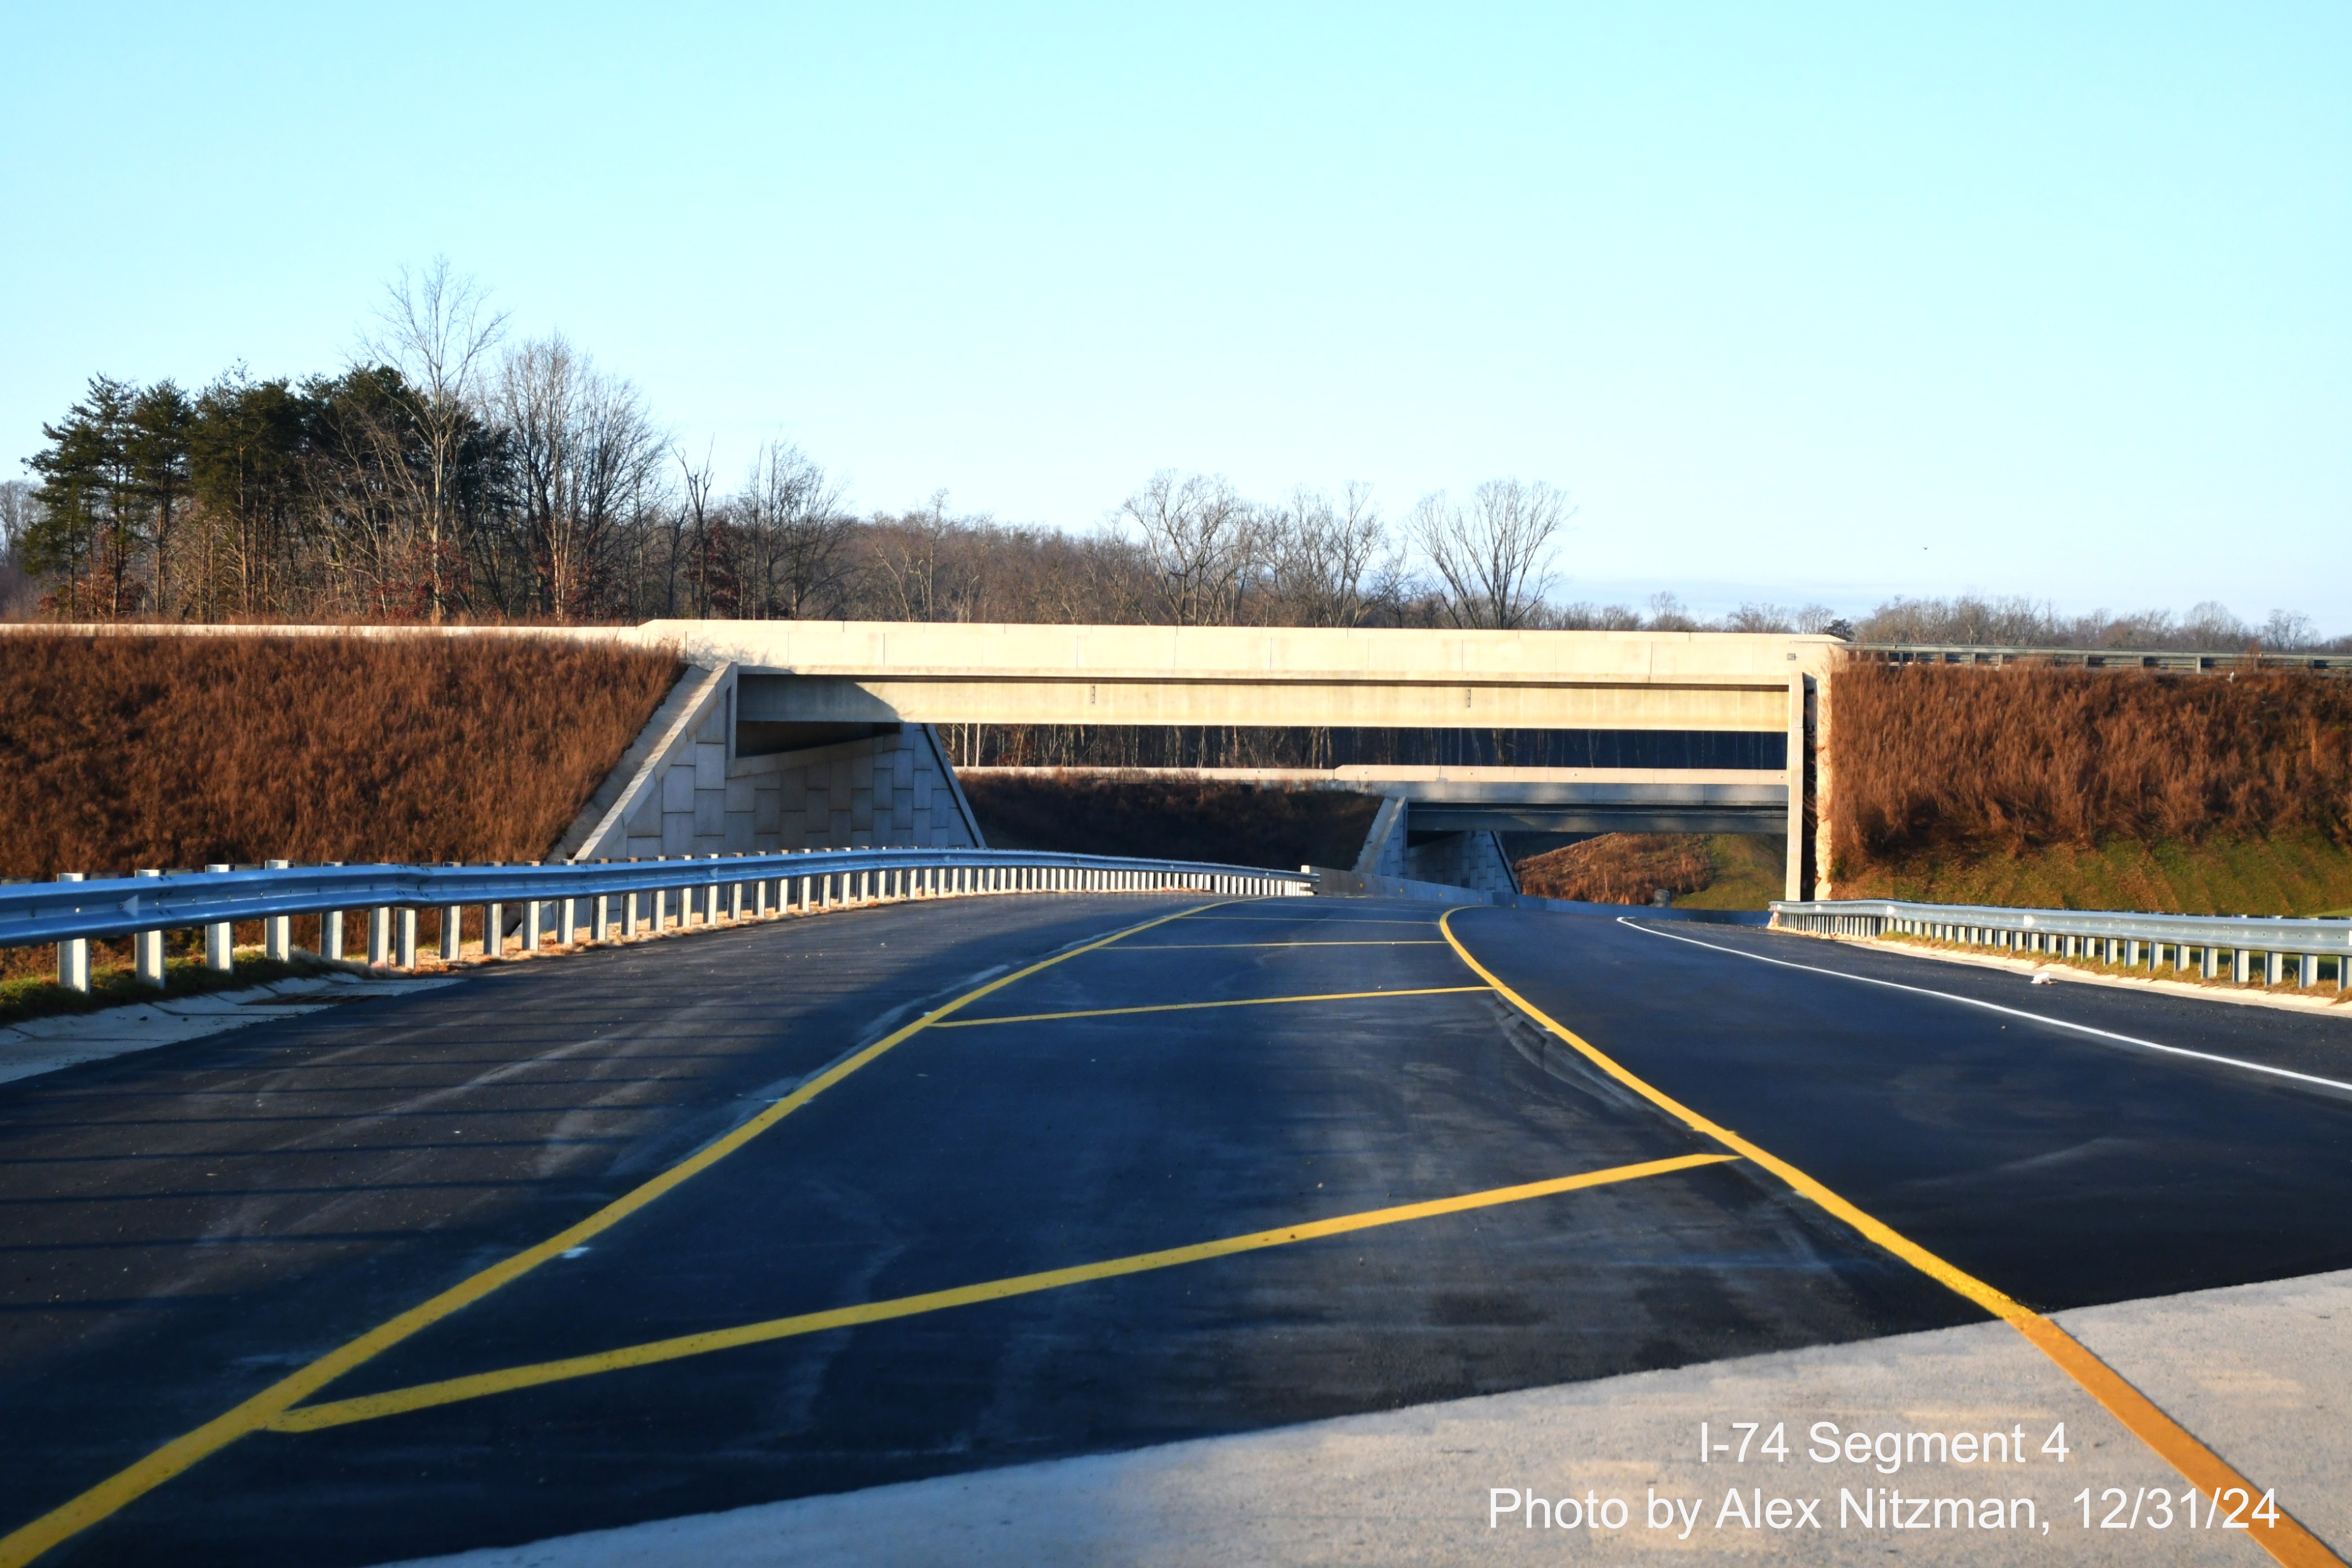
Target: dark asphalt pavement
180	1228
2064	1169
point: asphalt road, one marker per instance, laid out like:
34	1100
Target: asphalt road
181	1230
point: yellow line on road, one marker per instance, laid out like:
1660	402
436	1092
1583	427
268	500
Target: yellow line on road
2286	1540
1351	941
28	1542
1192	1006
1317	920
424	1395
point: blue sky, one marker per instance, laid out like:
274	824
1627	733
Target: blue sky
1796	302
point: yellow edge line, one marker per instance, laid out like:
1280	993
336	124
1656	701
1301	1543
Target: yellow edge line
28	1540
424	1395
1195	1006
2287	1540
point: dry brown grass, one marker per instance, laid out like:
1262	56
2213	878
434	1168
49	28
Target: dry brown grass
1929	759
1621	868
124	750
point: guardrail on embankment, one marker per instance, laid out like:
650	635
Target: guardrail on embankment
588	897
2208	943
2175	660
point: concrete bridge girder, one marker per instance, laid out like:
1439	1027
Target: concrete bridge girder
777	697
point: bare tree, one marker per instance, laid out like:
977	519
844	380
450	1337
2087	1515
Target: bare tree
1667	614
435	327
1327	562
1200	539
583	449
916	556
2288	630
20	513
693	515
793	535
1494	556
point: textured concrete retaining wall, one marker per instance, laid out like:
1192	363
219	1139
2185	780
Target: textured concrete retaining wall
689	793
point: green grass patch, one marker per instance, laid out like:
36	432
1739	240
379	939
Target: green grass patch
2299	874
24	999
1750	873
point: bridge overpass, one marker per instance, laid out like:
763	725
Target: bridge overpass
1165	1228
1475	732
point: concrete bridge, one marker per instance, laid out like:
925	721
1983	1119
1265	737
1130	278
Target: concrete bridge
828	733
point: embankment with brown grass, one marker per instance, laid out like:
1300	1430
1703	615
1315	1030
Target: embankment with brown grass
1158	816
123	751
2095	788
1703	871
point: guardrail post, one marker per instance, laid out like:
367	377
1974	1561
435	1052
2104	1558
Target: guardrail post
147	947
404	947
278	931
2273	968
531	925
494	931
73	956
2344	971
378	936
330	929
219	940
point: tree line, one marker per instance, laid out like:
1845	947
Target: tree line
451	473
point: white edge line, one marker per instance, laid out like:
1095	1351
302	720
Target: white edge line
1997	1007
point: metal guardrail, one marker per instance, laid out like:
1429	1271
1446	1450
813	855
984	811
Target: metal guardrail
2132	940
71	913
2190	660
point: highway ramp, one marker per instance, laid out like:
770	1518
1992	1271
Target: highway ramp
963	1196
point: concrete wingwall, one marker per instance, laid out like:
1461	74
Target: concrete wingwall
684	789
1472	859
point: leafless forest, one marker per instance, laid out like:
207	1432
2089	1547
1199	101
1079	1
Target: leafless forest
454	473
